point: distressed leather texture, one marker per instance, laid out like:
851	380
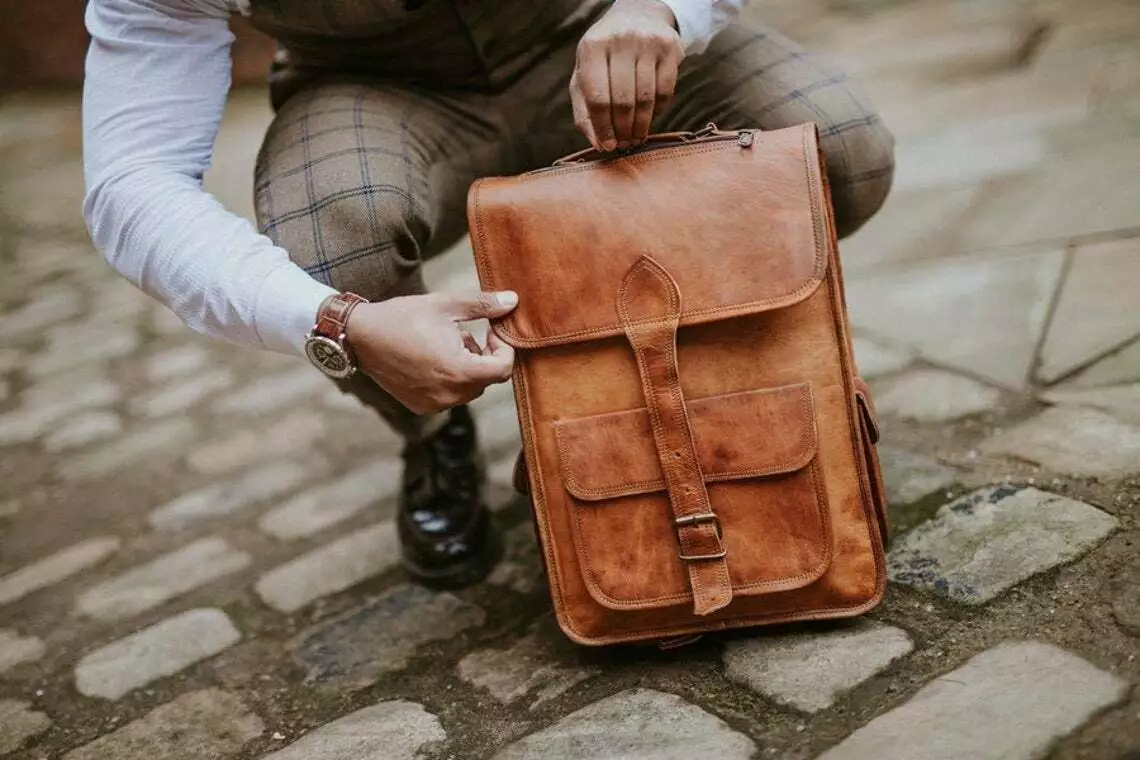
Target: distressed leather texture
698	449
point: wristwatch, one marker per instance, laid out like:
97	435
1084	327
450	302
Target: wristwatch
325	345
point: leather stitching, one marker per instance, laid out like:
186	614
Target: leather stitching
667	325
487	275
807	446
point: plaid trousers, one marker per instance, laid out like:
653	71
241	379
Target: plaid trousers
364	172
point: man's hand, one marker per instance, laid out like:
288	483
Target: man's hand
626	73
414	348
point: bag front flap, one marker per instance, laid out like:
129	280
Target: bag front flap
750	434
739	226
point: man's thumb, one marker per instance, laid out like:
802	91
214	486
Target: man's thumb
486	305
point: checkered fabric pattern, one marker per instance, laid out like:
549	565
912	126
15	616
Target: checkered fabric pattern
362	176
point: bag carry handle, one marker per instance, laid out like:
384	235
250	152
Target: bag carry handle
651	141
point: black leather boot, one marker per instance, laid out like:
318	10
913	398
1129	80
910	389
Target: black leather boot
447	539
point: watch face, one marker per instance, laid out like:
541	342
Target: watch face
329	356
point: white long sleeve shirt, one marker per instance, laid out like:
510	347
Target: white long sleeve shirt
158	72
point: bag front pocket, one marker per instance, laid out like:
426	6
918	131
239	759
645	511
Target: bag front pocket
758	455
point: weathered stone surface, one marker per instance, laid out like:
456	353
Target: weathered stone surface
70	347
990	540
1010	703
532	664
384	634
1073	440
1120	367
18	723
160	438
1126	599
162	579
56	567
326	505
497	426
1120	401
182	395
52	404
876	359
225	498
385	731
161	650
998	303
931	395
638	724
1096	308
328	569
809	671
909	477
82	429
49	306
202	724
267	394
291	435
16	649
177	361
521	568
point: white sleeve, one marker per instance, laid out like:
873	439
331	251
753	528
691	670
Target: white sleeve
158	72
698	21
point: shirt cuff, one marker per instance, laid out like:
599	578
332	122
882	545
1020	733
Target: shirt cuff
694	23
287	309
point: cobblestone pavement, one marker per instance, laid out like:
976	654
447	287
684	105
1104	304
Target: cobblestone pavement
193	565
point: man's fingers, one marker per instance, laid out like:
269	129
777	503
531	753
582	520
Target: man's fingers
623	94
582	113
594	81
494	367
646	100
666	81
486	305
470	343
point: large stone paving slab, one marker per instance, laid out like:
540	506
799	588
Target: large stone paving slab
931	395
18	723
156	652
992	539
639	724
1122	366
1119	401
909	476
998	303
1010	703
384	635
394	730
202	724
809	671
1074	441
1096	310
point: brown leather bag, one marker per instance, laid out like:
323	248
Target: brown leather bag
700	452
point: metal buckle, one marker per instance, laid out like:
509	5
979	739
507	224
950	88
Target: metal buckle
680	522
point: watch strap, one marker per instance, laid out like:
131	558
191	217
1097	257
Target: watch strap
332	317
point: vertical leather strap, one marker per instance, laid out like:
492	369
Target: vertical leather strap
649	304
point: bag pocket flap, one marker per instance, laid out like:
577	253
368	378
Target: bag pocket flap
749	434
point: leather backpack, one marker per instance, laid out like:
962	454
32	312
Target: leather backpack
699	451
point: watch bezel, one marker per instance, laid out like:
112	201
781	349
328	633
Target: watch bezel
338	350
